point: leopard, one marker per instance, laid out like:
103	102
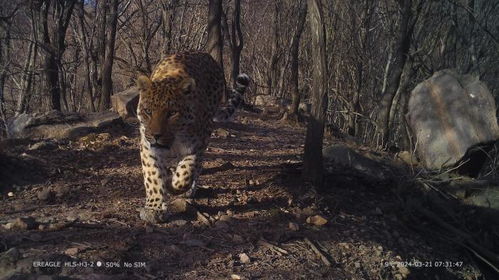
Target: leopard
178	105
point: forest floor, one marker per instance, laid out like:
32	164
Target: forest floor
254	218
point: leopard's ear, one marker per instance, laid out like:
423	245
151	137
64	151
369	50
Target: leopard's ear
143	83
188	84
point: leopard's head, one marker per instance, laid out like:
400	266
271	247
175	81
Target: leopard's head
162	107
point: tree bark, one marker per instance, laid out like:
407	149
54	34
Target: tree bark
99	52
22	105
295	45
215	41
236	39
275	54
107	67
168	17
87	55
5	56
401	50
312	160
53	46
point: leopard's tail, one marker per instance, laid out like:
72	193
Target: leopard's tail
226	113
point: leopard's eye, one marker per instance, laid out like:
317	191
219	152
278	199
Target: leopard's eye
147	111
171	114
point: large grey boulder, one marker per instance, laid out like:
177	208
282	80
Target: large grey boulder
125	103
57	125
448	113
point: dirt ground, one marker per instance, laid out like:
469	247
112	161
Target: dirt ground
253	217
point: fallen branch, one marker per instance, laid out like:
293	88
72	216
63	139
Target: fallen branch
490	258
318	252
280	251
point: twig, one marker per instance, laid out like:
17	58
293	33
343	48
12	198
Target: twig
491	258
444	194
318	252
481	258
280	251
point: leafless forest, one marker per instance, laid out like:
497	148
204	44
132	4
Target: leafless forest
72	55
323	73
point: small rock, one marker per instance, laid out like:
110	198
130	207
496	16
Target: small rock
178	206
243	258
22	224
71	217
225	218
222	133
293	226
72	251
317	220
10	194
357	265
56	226
179	223
235	277
45	195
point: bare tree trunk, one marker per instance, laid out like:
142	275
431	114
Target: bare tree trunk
236	39
401	50
312	160
295	45
168	16
275	55
107	67
27	80
99	53
54	45
5	56
472	48
87	53
215	41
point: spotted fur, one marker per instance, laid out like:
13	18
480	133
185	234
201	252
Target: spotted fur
176	110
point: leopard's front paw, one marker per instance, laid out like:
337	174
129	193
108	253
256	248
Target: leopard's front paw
175	208
153	216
